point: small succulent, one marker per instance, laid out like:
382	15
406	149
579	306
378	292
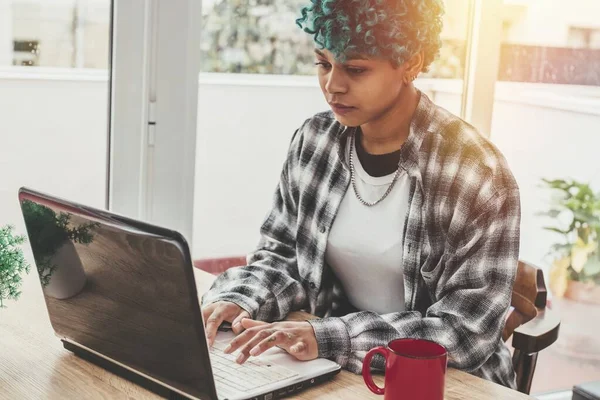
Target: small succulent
12	264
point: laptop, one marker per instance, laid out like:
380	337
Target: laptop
121	294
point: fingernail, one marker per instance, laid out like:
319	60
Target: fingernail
254	351
236	325
227	349
240	358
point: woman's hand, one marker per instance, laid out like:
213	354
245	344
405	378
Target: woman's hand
297	338
216	313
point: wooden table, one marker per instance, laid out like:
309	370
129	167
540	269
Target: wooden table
34	365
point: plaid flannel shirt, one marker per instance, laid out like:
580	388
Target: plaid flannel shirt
461	246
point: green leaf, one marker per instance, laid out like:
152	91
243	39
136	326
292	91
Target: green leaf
557	184
592	266
48	231
12	264
551	213
585	215
561	246
557	230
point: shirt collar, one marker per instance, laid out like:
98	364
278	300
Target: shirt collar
419	128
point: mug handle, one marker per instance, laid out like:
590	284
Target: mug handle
366	369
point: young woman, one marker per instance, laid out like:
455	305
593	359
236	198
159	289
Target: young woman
393	217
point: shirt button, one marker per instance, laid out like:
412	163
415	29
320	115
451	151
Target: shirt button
312	285
322	229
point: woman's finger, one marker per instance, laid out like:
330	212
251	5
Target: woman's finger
243	338
257	338
208	310
248	323
282	339
297	348
237	325
212	324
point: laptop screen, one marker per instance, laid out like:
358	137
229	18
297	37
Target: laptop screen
121	288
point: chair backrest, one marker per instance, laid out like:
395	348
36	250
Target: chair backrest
528	297
532	326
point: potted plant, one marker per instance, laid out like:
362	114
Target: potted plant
52	237
12	264
575	271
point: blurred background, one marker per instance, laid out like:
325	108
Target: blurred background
257	84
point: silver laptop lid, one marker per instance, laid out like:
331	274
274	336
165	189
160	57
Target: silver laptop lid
121	288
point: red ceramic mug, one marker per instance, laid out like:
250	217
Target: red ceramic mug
415	369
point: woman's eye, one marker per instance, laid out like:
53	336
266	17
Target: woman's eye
356	71
323	64
350	70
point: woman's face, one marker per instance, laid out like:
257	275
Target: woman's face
362	89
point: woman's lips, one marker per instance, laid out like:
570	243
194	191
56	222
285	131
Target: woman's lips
341	109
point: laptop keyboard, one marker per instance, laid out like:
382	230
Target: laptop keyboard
231	378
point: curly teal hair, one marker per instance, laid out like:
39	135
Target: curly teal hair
392	29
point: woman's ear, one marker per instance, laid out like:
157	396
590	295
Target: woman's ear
413	67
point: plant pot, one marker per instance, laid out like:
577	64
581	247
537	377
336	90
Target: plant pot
583	292
68	278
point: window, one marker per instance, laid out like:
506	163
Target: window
66	33
558	45
451	61
261	37
26	53
54	119
255	37
587	38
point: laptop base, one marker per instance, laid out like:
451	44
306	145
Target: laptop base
123	372
293	389
169	394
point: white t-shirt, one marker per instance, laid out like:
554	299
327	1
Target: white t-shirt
364	247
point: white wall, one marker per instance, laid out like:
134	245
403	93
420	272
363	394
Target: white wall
243	135
53	138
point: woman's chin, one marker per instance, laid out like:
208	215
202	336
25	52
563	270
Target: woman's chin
347	120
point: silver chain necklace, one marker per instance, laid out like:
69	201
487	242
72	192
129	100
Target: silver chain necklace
353	179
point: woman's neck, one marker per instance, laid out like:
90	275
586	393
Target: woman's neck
388	133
